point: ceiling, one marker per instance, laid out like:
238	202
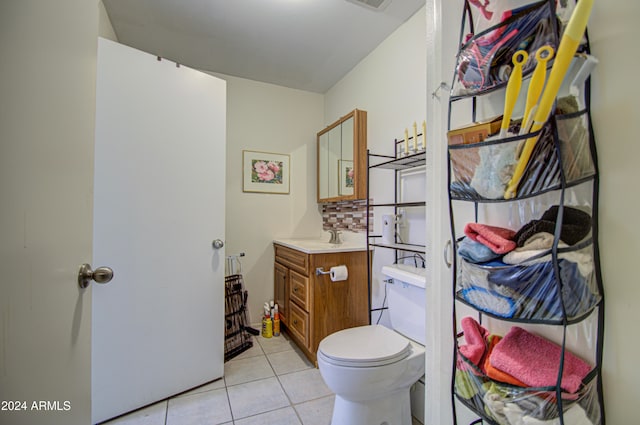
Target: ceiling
302	44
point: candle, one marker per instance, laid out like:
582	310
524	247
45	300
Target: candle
406	141
415	137
424	134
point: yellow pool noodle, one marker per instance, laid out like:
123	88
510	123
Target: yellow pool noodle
567	49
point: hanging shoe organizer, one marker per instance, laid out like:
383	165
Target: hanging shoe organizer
523	202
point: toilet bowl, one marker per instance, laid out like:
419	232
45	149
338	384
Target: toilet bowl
371	370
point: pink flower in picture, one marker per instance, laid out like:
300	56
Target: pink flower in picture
264	171
267	176
274	166
260	166
349	179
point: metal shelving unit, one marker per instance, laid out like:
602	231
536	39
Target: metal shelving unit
396	165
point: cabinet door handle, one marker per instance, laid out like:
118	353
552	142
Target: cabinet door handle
447	253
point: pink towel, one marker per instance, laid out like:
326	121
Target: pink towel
475	337
535	361
497	239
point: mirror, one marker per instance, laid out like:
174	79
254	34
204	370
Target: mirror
342	162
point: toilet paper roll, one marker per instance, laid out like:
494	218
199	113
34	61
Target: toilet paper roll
338	273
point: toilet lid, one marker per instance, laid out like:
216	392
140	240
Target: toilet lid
364	346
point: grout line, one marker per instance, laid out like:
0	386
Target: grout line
295	411
226	390
166	412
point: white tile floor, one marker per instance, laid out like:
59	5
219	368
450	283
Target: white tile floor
271	383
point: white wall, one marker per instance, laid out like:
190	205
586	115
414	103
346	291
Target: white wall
268	118
390	84
616	108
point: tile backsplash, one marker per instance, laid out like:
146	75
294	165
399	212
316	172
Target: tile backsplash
346	215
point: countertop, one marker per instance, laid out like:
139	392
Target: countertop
320	246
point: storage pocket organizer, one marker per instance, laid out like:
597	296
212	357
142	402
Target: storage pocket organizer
573	133
534	290
509	404
482	171
485	59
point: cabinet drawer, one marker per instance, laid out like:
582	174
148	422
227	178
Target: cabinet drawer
296	260
299	289
299	323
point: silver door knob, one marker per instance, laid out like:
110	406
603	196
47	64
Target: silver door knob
99	275
217	244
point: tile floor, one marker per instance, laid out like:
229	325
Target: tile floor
272	383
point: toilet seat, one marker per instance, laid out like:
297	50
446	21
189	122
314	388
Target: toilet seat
364	346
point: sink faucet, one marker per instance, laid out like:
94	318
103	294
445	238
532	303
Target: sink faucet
335	236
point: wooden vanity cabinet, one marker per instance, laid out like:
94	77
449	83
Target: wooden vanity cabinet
312	307
281	290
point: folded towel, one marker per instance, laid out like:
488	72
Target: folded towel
492	372
466	384
498	239
475	252
475	337
542	242
490	301
535	361
537	244
576	224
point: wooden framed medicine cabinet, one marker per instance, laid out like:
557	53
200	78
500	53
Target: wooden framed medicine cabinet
342	159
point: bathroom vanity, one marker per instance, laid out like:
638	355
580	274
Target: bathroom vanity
311	305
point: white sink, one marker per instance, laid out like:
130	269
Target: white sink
319	246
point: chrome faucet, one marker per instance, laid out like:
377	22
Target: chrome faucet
335	236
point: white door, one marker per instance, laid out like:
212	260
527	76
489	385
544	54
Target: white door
441	45
47	86
157	327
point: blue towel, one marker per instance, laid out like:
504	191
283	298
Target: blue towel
537	283
490	302
475	252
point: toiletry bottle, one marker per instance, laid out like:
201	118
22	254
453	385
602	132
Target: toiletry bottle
265	314
267	326
276	321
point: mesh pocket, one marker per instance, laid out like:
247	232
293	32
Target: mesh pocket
484	61
506	403
532	290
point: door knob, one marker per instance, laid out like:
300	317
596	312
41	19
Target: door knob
217	244
99	275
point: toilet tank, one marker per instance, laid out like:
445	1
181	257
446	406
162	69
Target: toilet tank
406	297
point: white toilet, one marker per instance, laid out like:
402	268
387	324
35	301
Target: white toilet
371	368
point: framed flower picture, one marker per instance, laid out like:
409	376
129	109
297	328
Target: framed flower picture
346	171
265	172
